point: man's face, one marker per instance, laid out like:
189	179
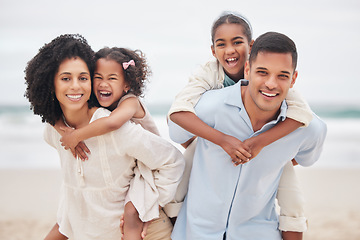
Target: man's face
270	76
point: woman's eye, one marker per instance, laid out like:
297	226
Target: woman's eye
83	78
65	79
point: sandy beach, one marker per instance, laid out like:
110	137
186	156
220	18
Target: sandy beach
29	198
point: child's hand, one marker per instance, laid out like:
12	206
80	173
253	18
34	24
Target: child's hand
254	145
122	226
144	231
69	141
81	150
237	150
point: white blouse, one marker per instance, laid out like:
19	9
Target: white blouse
93	191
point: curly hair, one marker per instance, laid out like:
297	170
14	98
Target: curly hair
41	69
136	76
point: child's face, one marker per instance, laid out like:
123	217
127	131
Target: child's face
231	48
72	84
109	83
270	76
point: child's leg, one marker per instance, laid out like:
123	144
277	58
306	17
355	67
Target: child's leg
132	224
54	234
291	202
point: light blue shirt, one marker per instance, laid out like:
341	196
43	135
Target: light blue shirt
238	200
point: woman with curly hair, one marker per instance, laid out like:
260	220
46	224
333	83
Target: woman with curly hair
119	79
93	193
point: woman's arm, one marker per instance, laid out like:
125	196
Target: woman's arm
231	145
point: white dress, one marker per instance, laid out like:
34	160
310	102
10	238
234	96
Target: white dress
93	191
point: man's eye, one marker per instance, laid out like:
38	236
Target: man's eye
283	76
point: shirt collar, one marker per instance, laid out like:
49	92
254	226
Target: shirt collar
234	99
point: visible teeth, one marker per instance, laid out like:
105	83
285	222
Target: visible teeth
231	59
269	94
105	93
74	96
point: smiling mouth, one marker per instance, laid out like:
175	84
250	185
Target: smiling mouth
268	94
231	61
105	94
74	96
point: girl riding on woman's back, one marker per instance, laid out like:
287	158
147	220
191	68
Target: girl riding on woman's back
93	194
119	79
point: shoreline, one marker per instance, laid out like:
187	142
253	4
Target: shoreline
29	199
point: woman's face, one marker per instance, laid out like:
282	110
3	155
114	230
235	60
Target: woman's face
72	84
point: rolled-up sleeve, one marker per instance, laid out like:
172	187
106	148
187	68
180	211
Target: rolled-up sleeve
160	156
177	133
312	148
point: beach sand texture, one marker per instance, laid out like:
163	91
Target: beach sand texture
29	198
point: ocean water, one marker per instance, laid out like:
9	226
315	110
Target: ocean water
22	144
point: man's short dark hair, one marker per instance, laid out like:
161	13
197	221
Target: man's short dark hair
275	43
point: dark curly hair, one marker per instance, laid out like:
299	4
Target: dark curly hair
41	69
135	76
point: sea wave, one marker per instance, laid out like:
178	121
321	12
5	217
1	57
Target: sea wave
22	144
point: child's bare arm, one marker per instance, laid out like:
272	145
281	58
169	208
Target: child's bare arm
298	114
292	235
236	149
123	113
81	149
257	143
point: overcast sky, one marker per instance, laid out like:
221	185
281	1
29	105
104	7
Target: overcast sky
175	36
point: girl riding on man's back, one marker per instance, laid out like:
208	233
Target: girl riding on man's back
231	44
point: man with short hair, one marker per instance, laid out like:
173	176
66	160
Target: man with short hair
238	202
